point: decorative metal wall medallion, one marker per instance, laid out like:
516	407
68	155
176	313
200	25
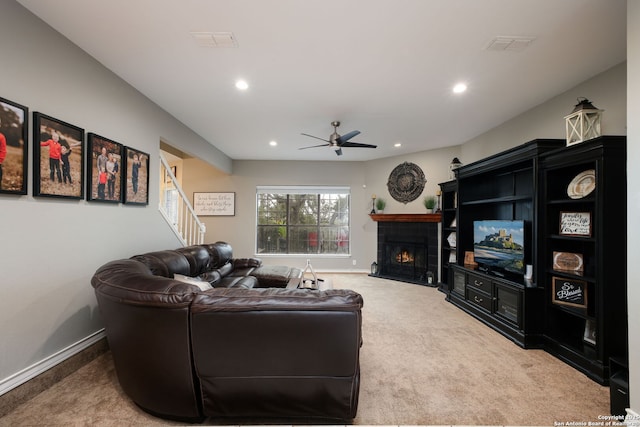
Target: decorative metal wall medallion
406	182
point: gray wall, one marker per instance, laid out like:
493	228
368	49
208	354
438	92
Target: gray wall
50	248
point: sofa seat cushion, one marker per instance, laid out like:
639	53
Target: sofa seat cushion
275	276
241	272
243	282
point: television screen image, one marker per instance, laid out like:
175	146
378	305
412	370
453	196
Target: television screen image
499	245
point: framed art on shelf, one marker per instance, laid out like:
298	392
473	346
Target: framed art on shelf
136	182
569	292
105	170
14	120
590	335
575	224
58	158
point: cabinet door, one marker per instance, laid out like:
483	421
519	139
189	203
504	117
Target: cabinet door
459	280
508	304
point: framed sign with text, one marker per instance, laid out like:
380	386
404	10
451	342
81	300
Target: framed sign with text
214	204
575	224
569	292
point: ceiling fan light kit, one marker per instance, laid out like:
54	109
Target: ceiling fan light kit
337	141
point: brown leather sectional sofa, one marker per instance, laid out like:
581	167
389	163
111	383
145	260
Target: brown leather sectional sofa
245	346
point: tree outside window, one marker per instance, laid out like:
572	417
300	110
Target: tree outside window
303	223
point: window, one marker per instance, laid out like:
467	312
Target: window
302	220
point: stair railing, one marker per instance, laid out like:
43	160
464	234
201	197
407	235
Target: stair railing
177	210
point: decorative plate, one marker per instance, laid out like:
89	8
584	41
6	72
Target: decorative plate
406	182
582	185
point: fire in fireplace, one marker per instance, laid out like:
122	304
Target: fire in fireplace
404	257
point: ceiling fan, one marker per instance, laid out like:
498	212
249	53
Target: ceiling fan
336	141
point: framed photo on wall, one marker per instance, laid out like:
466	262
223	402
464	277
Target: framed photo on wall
136	182
105	170
14	132
58	158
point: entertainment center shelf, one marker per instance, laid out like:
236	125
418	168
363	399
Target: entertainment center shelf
570	202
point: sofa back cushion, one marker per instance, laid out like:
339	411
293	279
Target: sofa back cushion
221	253
198	258
165	263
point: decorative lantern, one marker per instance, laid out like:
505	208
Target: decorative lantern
374	268
455	164
583	123
430	278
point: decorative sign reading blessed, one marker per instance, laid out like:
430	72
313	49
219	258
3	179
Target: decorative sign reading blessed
575	223
219	204
569	292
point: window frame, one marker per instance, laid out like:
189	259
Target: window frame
317	191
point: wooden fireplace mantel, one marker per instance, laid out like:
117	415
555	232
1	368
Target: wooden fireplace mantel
406	217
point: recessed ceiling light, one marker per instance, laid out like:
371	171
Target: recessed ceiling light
273	143
397	144
242	85
459	88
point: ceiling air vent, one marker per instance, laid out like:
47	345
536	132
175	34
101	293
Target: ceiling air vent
509	44
214	39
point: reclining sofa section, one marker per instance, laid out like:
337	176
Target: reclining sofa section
239	350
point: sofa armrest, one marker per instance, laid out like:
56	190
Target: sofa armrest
246	262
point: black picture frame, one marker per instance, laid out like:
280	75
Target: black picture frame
57	177
14	147
105	164
569	292
136	182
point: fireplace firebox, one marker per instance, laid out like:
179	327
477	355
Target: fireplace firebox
407	250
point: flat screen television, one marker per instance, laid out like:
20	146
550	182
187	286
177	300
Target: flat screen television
498	246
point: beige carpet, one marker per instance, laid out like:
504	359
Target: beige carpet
423	362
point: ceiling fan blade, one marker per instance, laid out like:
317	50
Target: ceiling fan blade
314	146
347	136
357	145
311	136
339	151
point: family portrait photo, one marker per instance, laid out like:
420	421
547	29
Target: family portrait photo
105	167
13	147
58	158
137	179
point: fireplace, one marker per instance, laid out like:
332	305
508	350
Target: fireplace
408	248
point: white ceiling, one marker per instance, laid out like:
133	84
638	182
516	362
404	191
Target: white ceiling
384	67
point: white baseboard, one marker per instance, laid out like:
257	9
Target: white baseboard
38	368
632	419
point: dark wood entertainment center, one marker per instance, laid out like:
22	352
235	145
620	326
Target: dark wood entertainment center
574	306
